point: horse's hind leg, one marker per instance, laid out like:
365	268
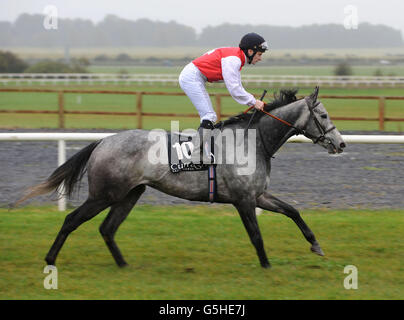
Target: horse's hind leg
85	212
115	217
271	203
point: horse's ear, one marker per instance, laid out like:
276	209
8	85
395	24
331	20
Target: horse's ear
314	95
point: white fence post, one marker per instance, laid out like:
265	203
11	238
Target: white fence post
61	160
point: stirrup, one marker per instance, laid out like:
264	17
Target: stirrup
206	124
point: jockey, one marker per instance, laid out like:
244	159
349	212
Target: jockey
221	64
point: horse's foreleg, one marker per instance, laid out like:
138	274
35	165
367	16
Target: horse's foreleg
85	212
247	214
115	217
268	202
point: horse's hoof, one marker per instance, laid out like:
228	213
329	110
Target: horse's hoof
266	265
122	265
317	250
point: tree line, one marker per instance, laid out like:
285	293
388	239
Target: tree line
113	31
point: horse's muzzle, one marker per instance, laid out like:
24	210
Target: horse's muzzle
334	149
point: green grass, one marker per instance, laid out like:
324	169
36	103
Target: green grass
177	104
203	252
374	169
326	70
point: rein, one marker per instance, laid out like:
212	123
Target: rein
323	131
299	131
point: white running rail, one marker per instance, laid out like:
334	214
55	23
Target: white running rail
170	78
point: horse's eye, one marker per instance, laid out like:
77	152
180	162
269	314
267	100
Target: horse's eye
324	116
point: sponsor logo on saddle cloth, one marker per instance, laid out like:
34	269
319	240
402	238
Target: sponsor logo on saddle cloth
183	152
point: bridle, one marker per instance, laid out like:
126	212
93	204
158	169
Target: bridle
320	128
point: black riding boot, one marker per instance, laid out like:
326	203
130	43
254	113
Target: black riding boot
205	132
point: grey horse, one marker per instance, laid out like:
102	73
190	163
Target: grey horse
119	170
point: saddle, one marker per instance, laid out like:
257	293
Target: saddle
182	149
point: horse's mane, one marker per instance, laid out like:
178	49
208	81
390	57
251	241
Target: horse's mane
285	96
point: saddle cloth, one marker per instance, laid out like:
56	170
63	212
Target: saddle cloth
180	149
181	153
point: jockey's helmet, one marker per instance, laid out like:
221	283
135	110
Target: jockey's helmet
254	42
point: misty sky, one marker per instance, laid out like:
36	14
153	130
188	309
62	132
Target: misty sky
199	14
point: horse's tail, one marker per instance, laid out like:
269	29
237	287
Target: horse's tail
68	175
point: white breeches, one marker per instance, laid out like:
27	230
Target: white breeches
192	82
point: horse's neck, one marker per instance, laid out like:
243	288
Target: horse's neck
275	133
